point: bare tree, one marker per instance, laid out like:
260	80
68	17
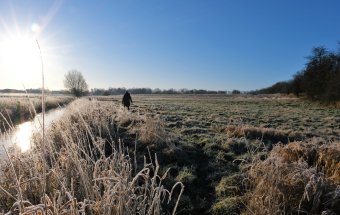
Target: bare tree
75	83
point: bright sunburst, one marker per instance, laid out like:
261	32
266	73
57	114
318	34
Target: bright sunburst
19	55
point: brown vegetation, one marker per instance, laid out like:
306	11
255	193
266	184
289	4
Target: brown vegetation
301	177
81	177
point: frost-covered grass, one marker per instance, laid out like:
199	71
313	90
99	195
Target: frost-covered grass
88	170
215	145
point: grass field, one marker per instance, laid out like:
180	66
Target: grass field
209	112
218	136
228	151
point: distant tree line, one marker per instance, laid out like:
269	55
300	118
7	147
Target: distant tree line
34	91
76	85
11	91
319	80
120	91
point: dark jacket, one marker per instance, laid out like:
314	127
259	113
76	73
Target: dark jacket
126	99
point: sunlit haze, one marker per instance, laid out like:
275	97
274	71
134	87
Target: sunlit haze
214	45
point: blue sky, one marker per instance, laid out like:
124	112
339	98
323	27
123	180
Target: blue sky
216	45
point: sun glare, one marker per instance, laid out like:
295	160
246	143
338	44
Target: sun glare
22	136
19	55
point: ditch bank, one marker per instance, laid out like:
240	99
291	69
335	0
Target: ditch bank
19	109
21	134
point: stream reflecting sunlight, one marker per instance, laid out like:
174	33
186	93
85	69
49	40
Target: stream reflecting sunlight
21	135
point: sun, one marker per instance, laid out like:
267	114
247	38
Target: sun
19	55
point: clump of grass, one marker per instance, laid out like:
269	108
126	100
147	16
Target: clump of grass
230	205
186	175
231	185
328	162
299	177
238	146
81	177
125	117
152	132
264	134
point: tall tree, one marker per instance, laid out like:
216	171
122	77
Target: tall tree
75	83
318	73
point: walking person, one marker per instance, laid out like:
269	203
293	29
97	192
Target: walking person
126	100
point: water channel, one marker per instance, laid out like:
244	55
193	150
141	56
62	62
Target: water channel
22	134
